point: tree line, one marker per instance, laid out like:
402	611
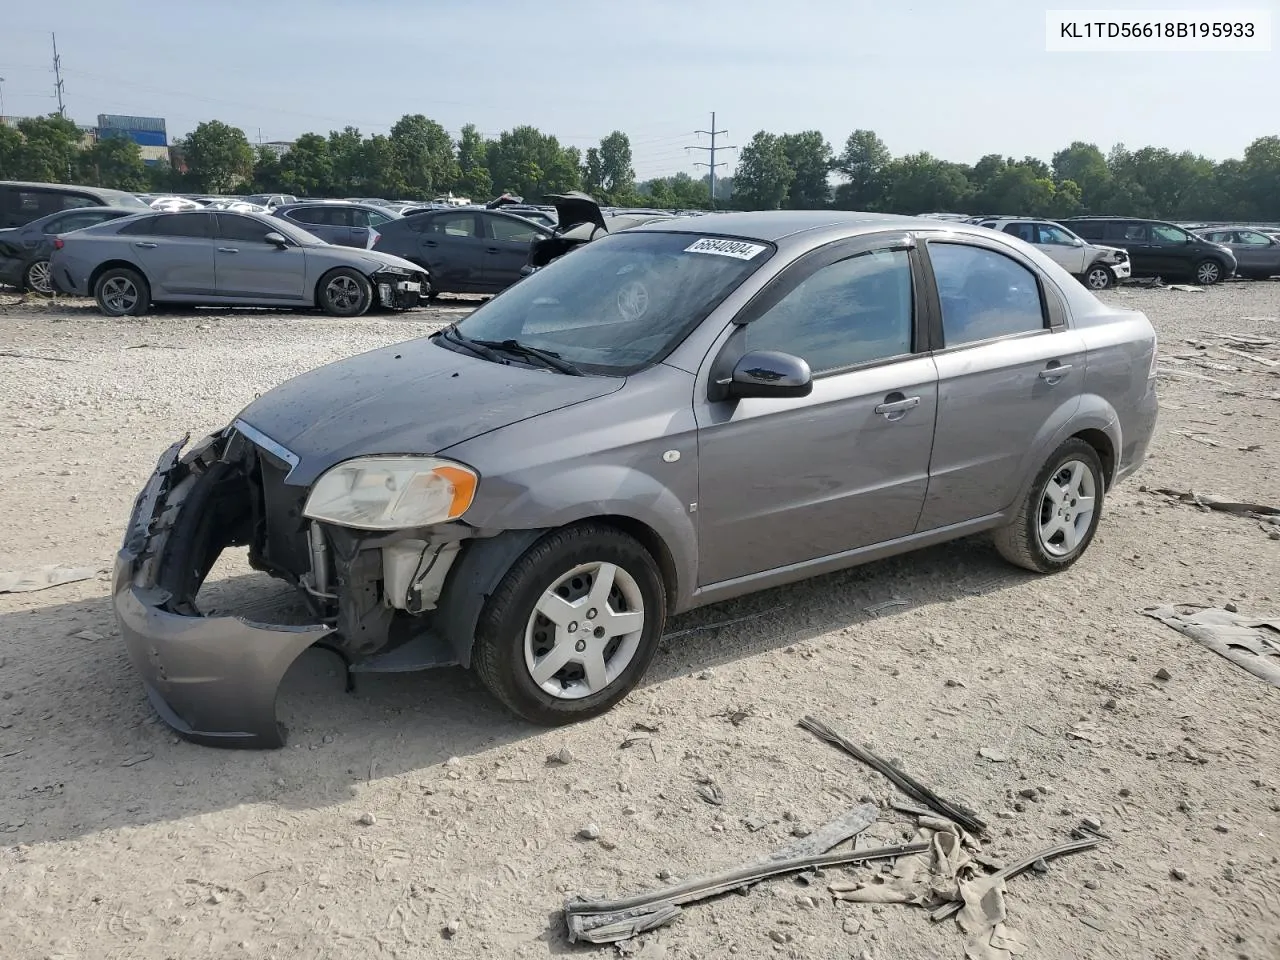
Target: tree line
418	159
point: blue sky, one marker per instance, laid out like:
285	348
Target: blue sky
959	78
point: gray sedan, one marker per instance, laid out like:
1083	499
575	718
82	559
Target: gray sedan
213	258
1257	252
677	414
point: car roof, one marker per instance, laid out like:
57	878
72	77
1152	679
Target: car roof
100	191
774	225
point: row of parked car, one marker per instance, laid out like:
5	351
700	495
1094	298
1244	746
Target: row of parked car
1102	250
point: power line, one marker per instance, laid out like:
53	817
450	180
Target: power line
711	164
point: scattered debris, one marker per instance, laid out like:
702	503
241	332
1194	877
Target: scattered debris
1249	642
1249	356
367	820
137	758
644	727
589	832
34	356
1086	731
711	793
42	578
89	635
451	929
607	921
738	716
717	624
1258	511
877	608
995	756
562	757
1184	288
907	784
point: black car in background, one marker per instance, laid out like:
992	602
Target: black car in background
24	251
343	222
464	250
21	202
1157	248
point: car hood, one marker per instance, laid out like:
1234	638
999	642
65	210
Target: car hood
411	398
378	260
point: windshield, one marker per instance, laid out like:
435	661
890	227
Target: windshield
622	302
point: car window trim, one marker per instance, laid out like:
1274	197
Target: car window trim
1052	309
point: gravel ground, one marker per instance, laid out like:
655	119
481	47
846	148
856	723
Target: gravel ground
414	818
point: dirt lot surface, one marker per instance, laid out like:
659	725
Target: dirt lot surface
117	840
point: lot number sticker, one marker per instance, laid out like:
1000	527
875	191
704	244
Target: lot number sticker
738	249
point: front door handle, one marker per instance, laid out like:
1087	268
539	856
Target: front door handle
1055	371
228	250
145	245
895	406
429	243
494	250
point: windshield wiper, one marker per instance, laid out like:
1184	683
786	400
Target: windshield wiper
477	347
546	357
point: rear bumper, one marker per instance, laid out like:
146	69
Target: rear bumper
212	679
1138	434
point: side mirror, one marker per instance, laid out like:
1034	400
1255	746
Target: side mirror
276	239
768	373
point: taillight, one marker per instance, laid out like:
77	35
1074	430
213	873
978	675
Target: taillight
374	237
57	243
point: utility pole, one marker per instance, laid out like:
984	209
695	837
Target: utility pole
57	76
2	98
711	164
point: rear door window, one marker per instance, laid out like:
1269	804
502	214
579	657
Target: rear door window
516	231
985	295
455	225
1023	231
188	225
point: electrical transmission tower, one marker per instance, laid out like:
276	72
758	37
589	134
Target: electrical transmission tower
711	163
57	76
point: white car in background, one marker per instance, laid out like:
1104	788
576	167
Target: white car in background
1096	266
175	204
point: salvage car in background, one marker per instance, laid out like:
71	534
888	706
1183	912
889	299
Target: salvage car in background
1256	252
1096	266
1159	249
21	202
674	415
339	221
463	250
219	257
25	250
580	220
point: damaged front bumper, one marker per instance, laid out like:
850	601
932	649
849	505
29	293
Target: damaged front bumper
397	293
213	679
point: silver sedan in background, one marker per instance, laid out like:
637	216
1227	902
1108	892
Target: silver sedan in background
226	258
1257	251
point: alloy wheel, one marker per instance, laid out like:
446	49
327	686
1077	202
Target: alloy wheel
119	295
343	293
1066	508
1208	272
1099	278
40	278
584	631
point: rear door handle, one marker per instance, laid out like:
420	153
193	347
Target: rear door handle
145	245
893	409
429	243
1055	371
228	250
494	250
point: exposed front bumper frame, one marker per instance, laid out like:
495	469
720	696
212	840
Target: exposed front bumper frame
213	679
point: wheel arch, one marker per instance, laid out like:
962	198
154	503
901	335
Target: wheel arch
1104	447
106	265
324	278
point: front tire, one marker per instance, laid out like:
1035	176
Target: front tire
122	292
344	293
1057	520
38	278
1208	272
1099	277
572	627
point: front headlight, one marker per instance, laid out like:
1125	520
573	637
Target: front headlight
389	493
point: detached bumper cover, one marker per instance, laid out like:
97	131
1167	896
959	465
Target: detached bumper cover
213	679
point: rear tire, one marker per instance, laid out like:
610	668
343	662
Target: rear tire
344	292
38	279
1208	272
1052	529
550	650
122	292
1099	277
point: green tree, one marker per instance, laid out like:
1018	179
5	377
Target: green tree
50	149
218	156
424	152
379	170
267	172
1260	175
531	164
617	177
862	163
11	154
921	183
307	169
763	176
473	173
809	157
1084	164
1068	200
592	172
344	154
115	162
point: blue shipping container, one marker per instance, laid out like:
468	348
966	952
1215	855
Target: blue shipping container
114	121
145	138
